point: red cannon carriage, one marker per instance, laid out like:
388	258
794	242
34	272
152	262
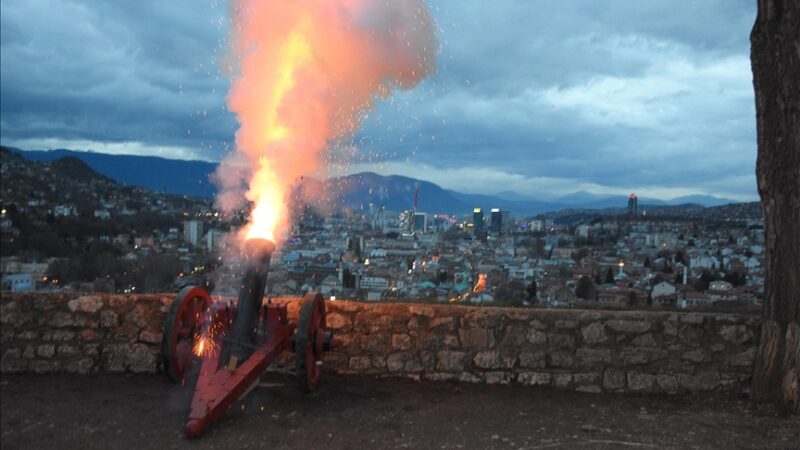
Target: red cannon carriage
234	344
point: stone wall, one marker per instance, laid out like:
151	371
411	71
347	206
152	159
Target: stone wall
590	351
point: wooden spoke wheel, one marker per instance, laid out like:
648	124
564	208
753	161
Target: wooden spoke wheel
181	327
309	341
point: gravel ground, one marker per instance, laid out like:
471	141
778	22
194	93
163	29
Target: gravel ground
145	411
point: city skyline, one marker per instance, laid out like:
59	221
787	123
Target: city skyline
652	99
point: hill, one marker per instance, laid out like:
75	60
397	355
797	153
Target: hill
355	191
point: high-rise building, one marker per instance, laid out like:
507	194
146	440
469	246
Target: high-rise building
477	221
420	222
632	204
500	221
192	231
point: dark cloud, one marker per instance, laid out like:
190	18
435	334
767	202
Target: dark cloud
650	95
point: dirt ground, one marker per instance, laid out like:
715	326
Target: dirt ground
107	411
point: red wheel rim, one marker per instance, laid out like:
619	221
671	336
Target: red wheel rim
311	332
192	306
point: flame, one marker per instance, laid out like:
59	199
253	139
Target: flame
200	346
308	72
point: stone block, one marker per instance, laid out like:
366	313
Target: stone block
566	341
45	366
336	321
538	325
667	383
562	380
513	337
413	366
373	343
109	319
360	363
420	310
466	377
705	381
87	303
378	362
536	337
645	340
593	356
395	361
743	359
67	349
450	361
493	360
448	323
614	379
532	360
85	321
475	338
566	324
640	355
534	378
62	335
594	333
590	389
698	355
401	342
640	382
692	318
61	320
83	365
151	337
498	377
46	350
89	335
629	326
586	378
561	359
735	334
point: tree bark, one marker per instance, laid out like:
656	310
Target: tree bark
775	57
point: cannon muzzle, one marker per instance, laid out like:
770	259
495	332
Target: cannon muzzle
242	337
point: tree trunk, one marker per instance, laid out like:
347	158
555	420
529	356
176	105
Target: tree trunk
775	56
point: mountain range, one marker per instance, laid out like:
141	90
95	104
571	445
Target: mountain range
393	192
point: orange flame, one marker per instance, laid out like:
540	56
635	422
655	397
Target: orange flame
309	70
200	346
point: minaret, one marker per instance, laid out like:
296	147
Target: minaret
686	274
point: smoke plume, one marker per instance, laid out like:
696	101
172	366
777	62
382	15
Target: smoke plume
308	70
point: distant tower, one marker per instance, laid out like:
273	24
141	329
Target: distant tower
632	204
477	221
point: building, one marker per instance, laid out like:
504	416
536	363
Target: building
477	221
663	289
192	231
17	282
583	231
420	222
633	204
500	221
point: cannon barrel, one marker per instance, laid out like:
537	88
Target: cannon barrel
242	337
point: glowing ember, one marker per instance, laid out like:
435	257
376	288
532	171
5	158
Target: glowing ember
308	72
200	347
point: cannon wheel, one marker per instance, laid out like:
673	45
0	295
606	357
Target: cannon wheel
180	327
309	341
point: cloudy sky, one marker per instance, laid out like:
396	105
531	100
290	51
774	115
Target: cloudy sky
539	97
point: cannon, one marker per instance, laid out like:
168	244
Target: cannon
234	344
